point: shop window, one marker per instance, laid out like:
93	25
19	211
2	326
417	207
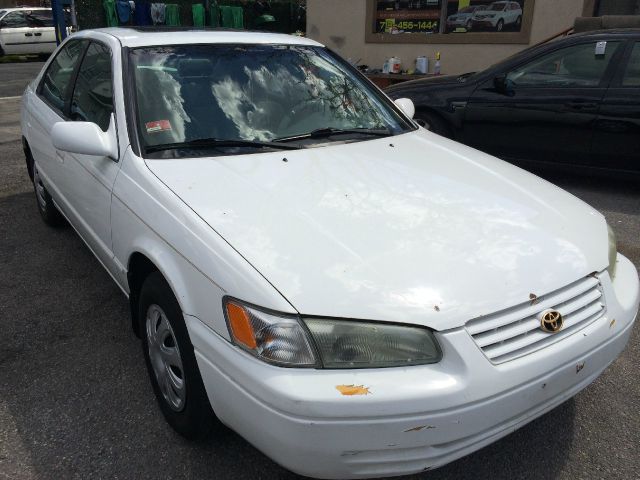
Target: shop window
617	7
449	21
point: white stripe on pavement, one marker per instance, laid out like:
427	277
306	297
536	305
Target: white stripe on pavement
11	98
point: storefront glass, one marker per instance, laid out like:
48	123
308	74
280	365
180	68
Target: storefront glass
448	16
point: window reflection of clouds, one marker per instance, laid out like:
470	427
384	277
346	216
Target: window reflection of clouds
252	92
265	103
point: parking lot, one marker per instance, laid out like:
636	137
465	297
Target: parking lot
75	400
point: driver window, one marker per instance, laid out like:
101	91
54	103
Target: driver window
14	20
581	65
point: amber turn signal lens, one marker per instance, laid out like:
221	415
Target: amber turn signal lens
241	325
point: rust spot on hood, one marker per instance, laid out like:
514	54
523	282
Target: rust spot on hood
533	298
612	323
353	389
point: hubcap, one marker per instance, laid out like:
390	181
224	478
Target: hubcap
42	201
165	358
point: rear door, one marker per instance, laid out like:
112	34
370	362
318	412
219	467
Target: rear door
47	108
15	33
549	109
44	34
616	142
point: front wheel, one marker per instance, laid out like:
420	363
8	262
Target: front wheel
171	361
500	25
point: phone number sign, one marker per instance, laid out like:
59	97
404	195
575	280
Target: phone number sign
390	25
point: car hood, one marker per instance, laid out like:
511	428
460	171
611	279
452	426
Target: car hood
422	85
413	228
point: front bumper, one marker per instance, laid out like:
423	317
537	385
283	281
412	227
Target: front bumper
487	23
412	419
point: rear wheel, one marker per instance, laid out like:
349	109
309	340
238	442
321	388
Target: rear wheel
46	207
171	361
518	23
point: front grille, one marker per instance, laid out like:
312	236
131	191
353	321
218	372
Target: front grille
516	331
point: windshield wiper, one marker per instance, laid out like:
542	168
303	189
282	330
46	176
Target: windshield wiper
329	131
218	142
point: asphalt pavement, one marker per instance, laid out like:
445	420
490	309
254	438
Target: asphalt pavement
75	400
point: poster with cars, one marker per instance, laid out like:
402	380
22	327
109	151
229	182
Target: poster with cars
448	16
465	16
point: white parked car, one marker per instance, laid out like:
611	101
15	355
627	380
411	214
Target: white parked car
498	16
462	18
356	296
27	30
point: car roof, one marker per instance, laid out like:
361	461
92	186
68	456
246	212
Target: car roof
13	9
140	37
618	32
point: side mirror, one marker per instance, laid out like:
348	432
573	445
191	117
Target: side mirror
85	138
407	106
503	85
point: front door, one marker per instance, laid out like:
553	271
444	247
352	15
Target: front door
547	110
616	142
88	180
15	33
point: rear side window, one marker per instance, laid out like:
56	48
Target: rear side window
92	99
14	20
632	74
40	18
575	66
55	82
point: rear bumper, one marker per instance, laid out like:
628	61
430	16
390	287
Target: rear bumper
413	419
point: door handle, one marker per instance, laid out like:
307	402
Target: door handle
38	34
28	34
581	105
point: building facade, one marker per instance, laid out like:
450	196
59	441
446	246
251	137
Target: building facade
470	35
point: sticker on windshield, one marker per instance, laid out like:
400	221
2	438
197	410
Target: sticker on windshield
601	48
158	126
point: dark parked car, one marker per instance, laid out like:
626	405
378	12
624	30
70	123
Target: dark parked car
570	102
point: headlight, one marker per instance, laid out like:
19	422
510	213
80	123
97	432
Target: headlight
271	337
283	340
355	344
613	252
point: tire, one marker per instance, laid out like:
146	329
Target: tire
468	26
46	207
518	23
433	123
171	362
500	25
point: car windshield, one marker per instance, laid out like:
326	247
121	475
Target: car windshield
497	6
253	93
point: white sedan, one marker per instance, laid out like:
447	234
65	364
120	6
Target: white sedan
356	296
